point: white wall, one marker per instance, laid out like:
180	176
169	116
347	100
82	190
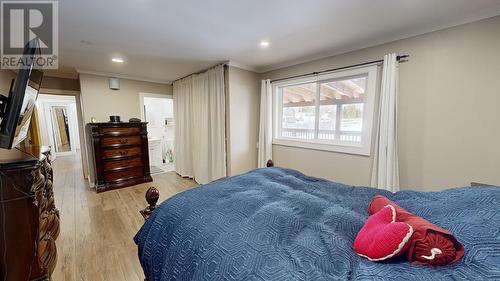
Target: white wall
243	113
449	120
101	102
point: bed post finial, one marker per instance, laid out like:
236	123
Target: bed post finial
270	163
152	196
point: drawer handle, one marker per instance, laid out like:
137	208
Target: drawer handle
123	153
124	141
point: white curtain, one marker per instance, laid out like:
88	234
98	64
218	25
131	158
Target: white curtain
199	112
265	126
385	169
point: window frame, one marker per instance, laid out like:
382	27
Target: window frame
362	148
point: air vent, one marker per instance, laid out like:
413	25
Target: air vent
114	84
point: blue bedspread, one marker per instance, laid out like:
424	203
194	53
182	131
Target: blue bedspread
278	224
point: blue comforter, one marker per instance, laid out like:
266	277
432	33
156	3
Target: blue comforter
278	224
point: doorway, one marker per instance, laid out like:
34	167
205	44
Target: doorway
58	123
158	111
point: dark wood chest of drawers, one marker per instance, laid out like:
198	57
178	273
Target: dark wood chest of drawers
121	156
28	215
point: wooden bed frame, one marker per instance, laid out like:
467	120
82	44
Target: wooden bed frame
153	195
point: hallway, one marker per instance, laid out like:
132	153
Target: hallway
95	242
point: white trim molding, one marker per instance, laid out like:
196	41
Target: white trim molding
58	92
242	66
123	76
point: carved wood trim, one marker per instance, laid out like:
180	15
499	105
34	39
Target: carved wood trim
152	196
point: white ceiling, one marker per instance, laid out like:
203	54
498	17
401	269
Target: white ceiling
165	40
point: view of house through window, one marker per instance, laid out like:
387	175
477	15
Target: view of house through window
330	110
299	111
340	110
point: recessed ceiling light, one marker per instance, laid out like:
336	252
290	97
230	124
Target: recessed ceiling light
118	60
264	44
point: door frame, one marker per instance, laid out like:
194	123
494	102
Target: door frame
143	117
150	95
84	143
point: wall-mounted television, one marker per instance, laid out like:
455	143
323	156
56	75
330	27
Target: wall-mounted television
17	108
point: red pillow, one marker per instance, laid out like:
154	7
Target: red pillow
382	237
430	243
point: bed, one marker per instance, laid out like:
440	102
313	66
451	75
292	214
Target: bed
278	224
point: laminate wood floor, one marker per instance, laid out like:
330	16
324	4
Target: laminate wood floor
95	242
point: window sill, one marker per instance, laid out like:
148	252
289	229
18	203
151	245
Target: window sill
339	148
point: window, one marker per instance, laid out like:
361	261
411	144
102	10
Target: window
299	111
331	112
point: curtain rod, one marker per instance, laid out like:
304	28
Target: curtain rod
199	72
401	58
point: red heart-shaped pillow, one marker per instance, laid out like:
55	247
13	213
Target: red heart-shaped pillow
381	237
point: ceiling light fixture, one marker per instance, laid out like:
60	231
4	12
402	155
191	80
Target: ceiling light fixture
264	44
85	42
118	60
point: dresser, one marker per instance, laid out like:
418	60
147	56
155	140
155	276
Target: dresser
28	216
120	154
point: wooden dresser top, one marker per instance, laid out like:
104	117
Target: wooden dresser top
117	124
15	158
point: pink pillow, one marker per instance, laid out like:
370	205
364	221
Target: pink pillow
430	244
382	237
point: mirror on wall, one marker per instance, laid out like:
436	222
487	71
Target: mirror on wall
61	128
